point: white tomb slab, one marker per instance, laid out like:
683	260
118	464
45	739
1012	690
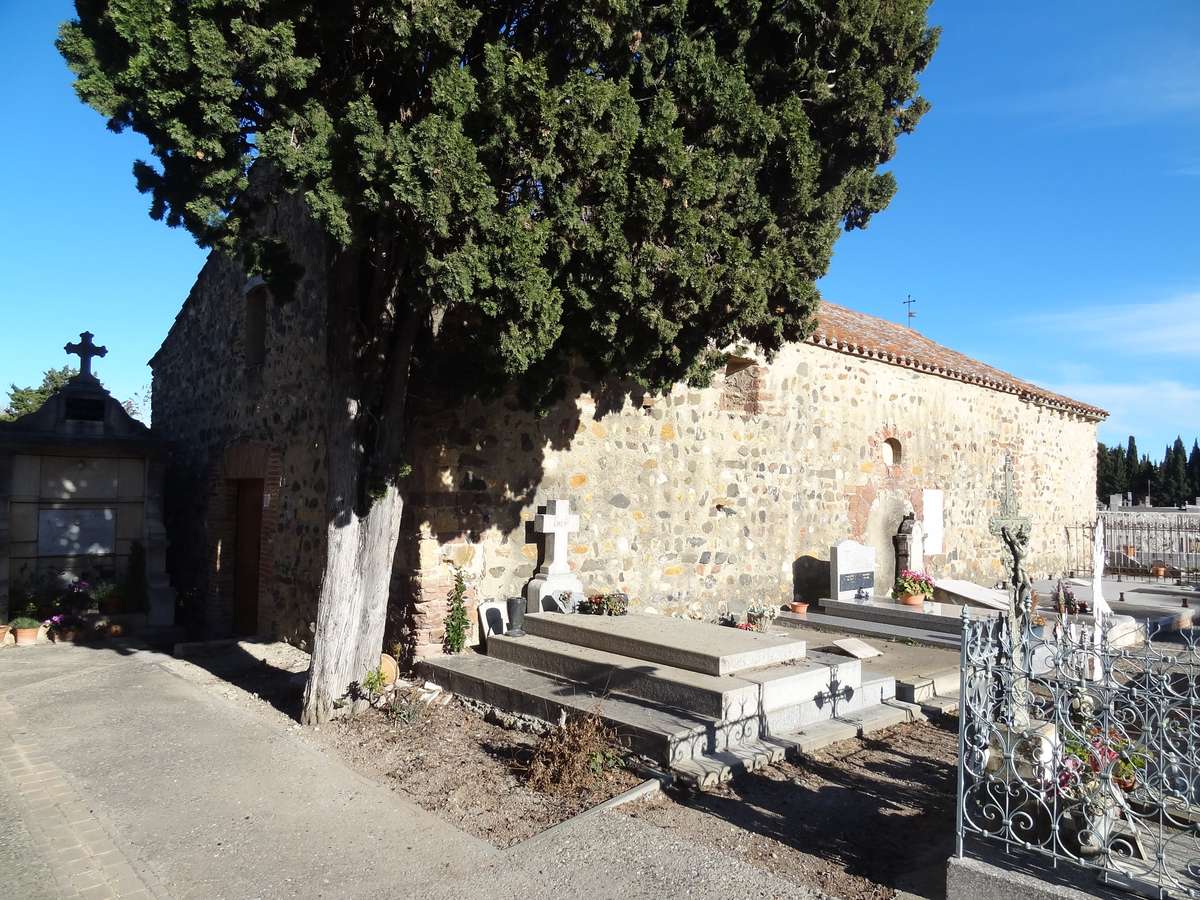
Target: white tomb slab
972	594
76	532
933	504
851	570
554	577
859	649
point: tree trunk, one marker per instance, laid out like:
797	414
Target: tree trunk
352	608
369	373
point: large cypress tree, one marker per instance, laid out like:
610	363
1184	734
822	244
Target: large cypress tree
641	184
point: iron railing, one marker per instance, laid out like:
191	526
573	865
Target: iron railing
1083	748
1149	546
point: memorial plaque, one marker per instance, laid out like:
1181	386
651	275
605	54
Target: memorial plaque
851	570
76	532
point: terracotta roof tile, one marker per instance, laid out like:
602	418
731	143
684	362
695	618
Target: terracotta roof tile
847	331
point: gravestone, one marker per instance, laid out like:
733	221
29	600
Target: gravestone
555	522
493	619
851	571
909	542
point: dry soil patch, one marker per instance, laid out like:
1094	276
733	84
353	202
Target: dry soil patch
859	819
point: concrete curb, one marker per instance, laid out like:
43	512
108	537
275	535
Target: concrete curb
647	788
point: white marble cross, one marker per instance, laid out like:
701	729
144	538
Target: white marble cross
557	523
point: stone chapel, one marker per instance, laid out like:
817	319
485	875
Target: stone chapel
731	493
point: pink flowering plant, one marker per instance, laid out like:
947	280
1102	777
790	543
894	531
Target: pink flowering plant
910	582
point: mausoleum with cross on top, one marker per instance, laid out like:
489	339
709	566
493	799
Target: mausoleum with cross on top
81	497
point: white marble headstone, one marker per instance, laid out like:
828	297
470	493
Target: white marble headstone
851	569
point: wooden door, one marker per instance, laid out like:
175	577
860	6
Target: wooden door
247	552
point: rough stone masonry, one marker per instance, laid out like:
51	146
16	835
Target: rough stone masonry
730	493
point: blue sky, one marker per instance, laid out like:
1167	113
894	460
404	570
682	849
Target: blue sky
1045	223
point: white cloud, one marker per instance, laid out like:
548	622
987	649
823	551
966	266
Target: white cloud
1168	85
1166	327
1154	411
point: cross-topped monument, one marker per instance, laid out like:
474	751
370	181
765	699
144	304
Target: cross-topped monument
556	523
1013	529
85	350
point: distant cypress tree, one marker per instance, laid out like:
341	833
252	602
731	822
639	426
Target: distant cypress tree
1193	467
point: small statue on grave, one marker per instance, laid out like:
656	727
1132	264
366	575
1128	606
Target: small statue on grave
1017	541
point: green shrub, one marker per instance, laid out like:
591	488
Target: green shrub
24	622
456	619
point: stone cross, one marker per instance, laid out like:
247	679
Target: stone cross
557	523
85	350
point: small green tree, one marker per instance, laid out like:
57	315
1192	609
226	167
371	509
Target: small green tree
457	622
504	189
23	400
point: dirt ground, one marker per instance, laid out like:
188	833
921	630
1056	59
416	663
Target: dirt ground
860	819
450	761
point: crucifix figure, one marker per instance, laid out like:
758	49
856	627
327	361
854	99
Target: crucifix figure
1013	528
85	350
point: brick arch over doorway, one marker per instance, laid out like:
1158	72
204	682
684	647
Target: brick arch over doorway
243	503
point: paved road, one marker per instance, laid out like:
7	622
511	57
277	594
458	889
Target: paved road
126	773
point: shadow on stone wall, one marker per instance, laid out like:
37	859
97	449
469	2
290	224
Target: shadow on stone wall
477	465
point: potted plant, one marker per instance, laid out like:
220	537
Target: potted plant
913	588
66	628
799	607
25	628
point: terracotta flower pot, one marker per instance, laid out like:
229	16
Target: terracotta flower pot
798	608
65	635
26	635
913	599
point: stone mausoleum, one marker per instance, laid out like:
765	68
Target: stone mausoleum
81	494
731	493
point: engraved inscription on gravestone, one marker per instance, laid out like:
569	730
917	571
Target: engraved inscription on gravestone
851	570
76	532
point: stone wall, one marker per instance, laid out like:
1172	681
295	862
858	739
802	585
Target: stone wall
730	493
736	492
228	416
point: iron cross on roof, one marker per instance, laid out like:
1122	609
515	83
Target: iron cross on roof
85	350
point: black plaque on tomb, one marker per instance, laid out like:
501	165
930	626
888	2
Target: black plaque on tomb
852	581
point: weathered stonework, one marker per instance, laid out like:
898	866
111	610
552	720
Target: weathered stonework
726	494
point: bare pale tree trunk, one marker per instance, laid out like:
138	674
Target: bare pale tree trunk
371	345
352	608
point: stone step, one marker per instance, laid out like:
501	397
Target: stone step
603	672
679	643
919	688
840	625
706	772
660	733
885	613
783	697
940	706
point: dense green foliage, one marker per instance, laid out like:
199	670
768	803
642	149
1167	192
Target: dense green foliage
640	183
22	400
1172	482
